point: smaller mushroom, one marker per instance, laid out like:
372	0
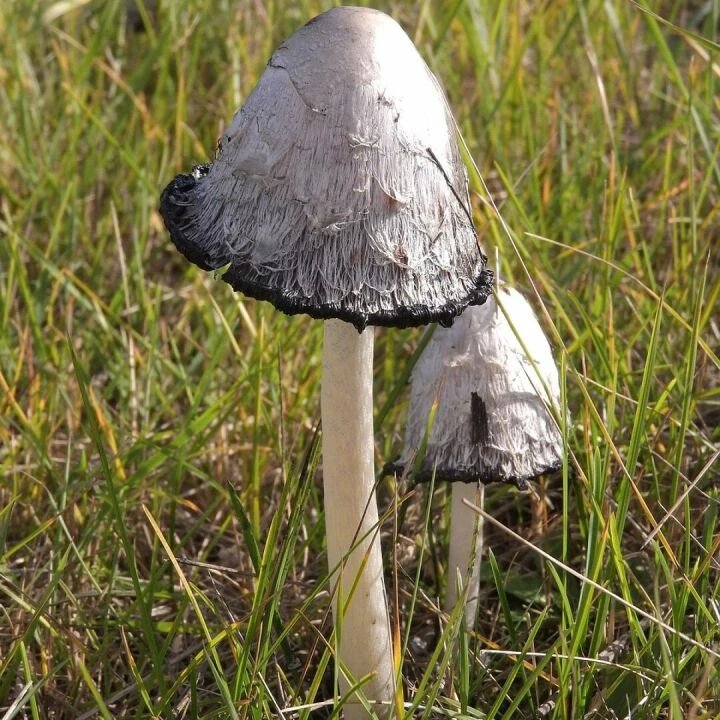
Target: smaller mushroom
496	386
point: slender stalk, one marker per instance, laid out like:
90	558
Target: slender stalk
351	517
466	546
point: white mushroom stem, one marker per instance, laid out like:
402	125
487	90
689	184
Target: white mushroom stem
360	608
466	547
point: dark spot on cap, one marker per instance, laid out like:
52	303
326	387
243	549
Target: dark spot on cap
479	431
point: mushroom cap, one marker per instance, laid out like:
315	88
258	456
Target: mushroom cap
338	189
492	422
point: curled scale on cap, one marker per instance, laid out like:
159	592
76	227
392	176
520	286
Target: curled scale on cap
338	189
492	422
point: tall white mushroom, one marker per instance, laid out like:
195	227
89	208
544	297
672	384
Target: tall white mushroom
339	191
494	379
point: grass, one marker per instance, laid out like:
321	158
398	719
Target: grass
161	527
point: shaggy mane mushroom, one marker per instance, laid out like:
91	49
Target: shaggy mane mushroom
495	382
339	191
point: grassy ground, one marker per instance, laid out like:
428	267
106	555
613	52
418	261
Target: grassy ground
151	421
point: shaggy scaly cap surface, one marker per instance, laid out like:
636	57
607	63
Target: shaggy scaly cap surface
338	189
492	422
